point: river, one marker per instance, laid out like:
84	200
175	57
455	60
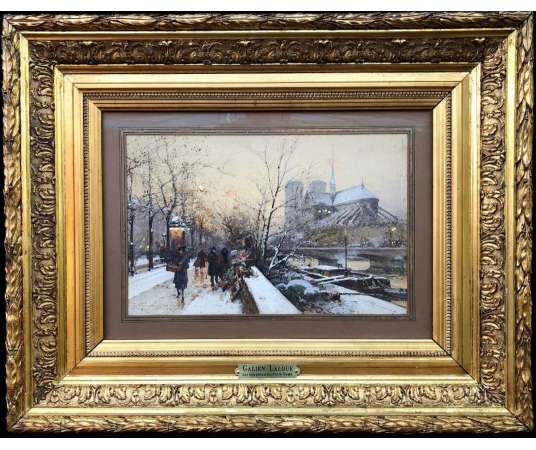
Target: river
357	264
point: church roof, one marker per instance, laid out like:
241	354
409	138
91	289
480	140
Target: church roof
349	195
353	194
320	198
358	214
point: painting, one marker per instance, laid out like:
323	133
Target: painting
265	223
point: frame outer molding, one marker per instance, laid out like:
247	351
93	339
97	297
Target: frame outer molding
267	21
524	123
15	341
269	423
19	338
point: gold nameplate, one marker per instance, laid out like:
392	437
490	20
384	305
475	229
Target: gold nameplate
267	371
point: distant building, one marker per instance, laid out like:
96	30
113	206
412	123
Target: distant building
353	206
293	202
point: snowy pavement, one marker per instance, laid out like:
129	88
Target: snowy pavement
153	293
144	281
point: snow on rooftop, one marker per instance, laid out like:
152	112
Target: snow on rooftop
353	194
267	297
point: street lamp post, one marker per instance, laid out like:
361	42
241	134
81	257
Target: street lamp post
392	230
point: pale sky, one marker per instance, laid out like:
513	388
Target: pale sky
236	165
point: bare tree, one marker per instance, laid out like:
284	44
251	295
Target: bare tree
276	179
277	170
284	247
168	186
202	221
178	191
167	180
149	199
132	164
236	225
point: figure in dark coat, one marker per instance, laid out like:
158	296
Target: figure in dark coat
223	261
199	264
180	279
201	259
213	267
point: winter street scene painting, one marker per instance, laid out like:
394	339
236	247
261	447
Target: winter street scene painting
260	224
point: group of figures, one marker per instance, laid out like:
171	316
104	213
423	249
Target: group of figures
213	263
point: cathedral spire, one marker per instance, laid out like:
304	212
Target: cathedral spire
332	184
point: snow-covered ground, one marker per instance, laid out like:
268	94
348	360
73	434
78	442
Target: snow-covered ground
141	260
153	293
267	297
145	281
353	303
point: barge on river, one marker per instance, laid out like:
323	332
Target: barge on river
376	286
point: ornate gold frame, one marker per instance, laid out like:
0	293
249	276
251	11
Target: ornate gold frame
474	70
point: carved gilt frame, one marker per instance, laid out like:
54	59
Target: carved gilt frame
473	70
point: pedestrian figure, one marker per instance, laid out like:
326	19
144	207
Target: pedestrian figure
199	264
223	262
213	269
180	265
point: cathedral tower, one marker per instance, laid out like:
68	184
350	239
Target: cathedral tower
293	201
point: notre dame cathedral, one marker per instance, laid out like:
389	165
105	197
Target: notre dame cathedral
318	207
